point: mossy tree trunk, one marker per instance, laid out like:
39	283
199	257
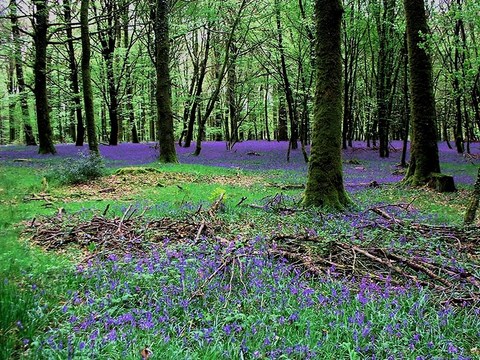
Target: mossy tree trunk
40	70
325	179
86	79
424	150
474	202
164	91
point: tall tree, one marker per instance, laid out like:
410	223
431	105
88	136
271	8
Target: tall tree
164	87
129	85
385	72
108	34
86	78
424	159
40	70
27	127
325	179
72	64
292	112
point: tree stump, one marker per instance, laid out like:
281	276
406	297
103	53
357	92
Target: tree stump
441	183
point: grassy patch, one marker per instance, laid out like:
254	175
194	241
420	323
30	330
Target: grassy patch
200	300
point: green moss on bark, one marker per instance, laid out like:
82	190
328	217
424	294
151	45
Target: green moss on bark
424	149
325	180
166	138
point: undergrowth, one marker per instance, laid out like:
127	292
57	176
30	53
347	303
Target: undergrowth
254	306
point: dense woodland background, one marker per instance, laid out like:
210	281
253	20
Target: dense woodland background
241	69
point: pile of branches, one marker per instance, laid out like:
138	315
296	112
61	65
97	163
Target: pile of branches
102	235
453	274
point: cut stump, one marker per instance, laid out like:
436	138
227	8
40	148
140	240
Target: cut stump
441	183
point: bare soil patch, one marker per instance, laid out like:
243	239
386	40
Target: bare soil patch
124	186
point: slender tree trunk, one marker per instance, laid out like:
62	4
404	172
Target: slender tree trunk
424	149
108	40
40	71
113	100
72	64
406	107
86	78
12	128
2	135
325	179
385	83
128	80
265	109
202	71
27	127
164	92
231	98
292	113
282	118
227	61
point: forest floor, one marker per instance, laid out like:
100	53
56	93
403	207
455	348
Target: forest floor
214	258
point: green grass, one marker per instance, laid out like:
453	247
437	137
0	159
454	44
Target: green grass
23	267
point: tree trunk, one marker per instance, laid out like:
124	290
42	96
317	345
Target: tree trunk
228	59
292	113
12	128
406	107
72	64
325	179
265	109
231	99
108	40
474	202
113	100
385	82
282	118
424	149
128	79
40	70
27	127
459	60
202	71
164	92
86	79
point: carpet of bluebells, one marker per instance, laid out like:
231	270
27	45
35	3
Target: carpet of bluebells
193	302
217	301
362	164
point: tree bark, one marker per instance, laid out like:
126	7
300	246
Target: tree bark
424	149
233	113
282	130
40	70
325	180
86	78
202	71
385	26
12	127
292	112
474	202
74	83
27	127
128	79
108	40
164	92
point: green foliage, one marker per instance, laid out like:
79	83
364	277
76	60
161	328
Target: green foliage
79	170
